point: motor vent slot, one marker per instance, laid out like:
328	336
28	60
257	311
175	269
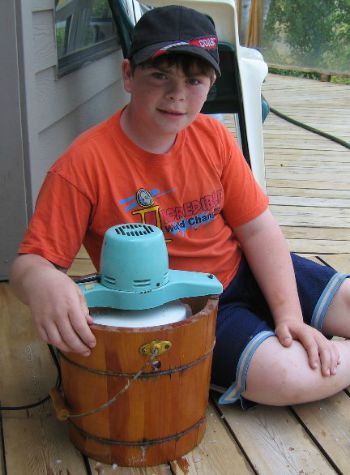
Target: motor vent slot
142	283
109	280
134	230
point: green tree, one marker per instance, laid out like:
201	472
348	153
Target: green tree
314	33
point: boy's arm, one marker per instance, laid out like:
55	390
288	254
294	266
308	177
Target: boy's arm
267	252
57	305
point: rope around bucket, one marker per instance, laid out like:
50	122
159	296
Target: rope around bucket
62	413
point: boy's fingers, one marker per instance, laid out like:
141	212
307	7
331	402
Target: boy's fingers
80	327
52	335
330	359
69	335
72	339
324	353
89	319
306	336
326	361
69	332
283	335
311	348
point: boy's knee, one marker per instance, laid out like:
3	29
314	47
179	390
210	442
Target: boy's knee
337	317
277	375
346	292
334	300
343	293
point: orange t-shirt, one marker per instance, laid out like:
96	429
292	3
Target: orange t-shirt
197	193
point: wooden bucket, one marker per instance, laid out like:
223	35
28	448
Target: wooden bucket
157	403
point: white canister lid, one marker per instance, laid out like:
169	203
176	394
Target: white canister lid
170	312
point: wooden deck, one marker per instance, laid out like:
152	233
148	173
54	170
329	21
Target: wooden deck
308	180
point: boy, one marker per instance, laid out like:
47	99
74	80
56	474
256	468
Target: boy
159	161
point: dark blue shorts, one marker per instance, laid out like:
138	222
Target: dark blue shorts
244	320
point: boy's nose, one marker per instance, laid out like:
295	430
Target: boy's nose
176	92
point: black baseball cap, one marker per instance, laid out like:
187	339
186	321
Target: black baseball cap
175	29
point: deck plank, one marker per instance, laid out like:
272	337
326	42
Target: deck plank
38	444
302	174
329	423
35	443
308	175
304	201
82	264
330	234
318	246
2	444
114	469
321	105
275	442
26	363
308	184
311	216
218	453
341	262
307	193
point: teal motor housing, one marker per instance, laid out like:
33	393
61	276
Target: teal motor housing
135	272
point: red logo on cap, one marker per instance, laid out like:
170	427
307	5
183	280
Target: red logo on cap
208	42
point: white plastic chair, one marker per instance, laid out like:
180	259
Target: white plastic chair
252	72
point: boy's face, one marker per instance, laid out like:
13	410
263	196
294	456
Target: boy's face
163	98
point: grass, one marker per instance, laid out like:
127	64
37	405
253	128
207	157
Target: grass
310	75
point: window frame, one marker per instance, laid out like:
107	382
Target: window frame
79	58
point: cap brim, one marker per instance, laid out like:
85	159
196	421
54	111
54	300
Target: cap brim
153	51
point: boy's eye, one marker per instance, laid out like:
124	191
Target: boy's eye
194	81
158	75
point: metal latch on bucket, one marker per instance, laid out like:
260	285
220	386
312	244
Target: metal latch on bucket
155	348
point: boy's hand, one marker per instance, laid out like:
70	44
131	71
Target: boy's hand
56	303
60	312
321	351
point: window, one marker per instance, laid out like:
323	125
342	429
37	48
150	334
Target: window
85	31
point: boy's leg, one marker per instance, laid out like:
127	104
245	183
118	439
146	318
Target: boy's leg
240	330
292	380
282	376
267	372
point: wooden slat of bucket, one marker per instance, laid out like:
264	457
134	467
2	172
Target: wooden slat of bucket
34	441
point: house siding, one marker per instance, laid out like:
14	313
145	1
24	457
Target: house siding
41	112
63	107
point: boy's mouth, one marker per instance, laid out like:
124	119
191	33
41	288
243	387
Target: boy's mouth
171	112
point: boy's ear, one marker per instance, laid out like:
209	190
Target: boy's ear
127	75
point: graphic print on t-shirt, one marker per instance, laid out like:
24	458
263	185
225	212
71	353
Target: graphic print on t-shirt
173	219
